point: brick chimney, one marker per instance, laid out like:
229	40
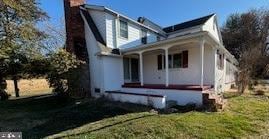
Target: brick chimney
75	36
79	83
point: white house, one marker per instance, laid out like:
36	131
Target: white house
139	61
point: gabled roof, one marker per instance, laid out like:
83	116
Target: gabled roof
188	24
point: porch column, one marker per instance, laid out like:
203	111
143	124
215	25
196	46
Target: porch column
202	42
215	67
141	68
166	68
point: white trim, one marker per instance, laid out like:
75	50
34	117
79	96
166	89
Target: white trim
202	49
141	68
166	68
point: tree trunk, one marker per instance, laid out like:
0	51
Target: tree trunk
15	80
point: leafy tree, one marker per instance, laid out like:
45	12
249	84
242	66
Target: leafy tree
19	37
245	36
60	64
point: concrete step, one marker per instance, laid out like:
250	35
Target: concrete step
211	99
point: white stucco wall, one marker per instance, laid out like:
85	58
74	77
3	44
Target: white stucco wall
156	102
182	97
113	73
95	63
190	75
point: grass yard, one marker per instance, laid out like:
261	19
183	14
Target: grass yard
244	117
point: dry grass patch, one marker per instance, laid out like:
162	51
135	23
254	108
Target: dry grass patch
29	87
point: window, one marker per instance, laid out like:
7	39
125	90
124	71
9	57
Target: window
170	62
123	29
160	62
143	36
178	60
220	60
126	64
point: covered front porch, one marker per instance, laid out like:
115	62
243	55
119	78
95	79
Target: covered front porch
181	70
182	65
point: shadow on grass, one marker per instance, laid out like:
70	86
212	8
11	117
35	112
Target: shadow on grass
51	115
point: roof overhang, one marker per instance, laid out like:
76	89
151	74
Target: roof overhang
183	39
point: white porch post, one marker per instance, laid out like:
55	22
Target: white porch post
215	68
202	42
141	68
166	68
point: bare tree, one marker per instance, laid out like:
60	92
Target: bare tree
56	35
245	36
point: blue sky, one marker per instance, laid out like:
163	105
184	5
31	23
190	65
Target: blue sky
163	12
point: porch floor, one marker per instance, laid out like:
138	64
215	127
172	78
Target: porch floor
172	86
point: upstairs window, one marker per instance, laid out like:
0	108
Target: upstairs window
143	36
123	29
220	60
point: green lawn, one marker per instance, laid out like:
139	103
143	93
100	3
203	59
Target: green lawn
244	117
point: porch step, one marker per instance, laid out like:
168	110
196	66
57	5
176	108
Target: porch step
170	103
213	101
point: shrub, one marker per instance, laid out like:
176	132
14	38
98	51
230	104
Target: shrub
3	93
61	63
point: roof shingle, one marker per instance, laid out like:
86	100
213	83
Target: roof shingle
188	24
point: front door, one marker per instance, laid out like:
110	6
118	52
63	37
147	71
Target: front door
134	70
131	70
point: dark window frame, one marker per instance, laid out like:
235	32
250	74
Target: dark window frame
183	59
123	28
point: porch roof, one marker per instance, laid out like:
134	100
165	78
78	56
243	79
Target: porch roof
192	37
170	41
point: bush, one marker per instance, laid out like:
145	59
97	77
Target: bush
3	93
61	63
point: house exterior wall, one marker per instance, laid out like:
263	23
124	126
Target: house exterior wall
95	63
230	77
113	73
190	75
156	102
106	24
182	97
212	28
220	77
